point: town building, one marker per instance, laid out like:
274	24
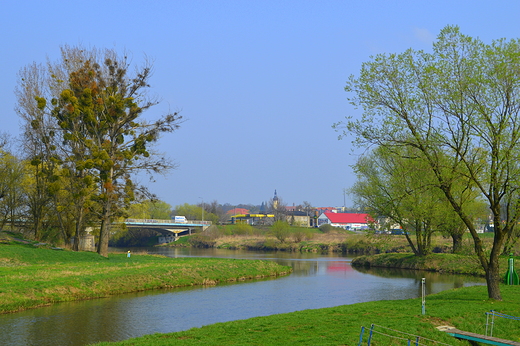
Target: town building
348	221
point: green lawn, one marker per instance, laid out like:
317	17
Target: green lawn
31	277
463	308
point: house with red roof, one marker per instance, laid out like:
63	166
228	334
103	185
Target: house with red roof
348	221
236	211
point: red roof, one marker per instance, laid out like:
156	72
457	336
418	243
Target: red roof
348	218
236	211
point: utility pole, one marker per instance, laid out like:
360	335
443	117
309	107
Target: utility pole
202	208
344	203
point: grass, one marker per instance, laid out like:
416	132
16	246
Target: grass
463	308
324	240
32	277
443	263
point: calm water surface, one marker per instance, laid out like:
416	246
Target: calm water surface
317	281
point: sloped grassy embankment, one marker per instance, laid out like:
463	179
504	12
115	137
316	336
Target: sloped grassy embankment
463	308
32	277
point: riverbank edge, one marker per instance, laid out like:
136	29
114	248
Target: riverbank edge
25	285
332	242
463	308
439	262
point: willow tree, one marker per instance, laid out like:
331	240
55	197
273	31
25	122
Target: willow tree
98	117
395	183
461	101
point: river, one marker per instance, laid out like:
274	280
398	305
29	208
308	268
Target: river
317	281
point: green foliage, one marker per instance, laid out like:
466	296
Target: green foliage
281	230
150	210
397	184
447	263
195	212
97	104
242	229
191	211
13	189
452	110
327	228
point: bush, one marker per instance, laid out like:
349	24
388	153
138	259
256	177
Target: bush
300	234
281	230
243	229
326	228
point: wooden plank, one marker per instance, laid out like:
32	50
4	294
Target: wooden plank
490	340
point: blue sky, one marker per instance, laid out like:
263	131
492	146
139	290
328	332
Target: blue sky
259	82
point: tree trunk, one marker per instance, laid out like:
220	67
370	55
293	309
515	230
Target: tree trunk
60	220
457	242
104	236
79	223
410	242
106	217
493	279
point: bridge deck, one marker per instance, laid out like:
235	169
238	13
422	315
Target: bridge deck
166	223
490	340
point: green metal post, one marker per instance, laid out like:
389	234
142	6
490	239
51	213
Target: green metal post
511	277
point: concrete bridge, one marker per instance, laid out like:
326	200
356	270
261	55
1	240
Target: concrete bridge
170	229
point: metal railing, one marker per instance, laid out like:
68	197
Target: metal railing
168	221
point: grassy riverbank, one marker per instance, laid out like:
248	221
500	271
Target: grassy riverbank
321	240
442	263
463	308
31	276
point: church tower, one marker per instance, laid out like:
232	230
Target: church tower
275	200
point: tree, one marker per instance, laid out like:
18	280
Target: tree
38	200
195	212
396	184
214	208
97	116
281	230
54	174
150	209
12	189
459	106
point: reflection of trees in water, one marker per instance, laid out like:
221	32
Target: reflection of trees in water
435	281
306	268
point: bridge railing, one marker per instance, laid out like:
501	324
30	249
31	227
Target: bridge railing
198	222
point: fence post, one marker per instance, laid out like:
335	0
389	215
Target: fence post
361	336
423	284
370	335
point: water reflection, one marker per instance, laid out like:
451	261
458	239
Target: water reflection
317	281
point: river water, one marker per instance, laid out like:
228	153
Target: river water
317	281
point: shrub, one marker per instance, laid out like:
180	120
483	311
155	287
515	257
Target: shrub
243	229
300	234
326	228
280	230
